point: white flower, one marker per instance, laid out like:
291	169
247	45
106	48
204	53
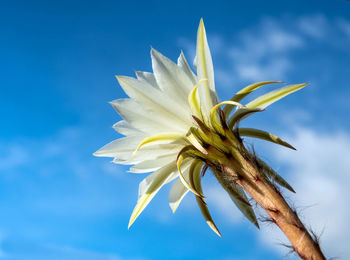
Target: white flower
174	127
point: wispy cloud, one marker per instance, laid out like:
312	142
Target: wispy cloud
319	172
12	156
262	52
268	50
344	26
316	26
221	202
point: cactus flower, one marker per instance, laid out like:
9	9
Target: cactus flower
176	128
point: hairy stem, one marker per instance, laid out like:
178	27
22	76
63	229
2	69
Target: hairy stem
243	171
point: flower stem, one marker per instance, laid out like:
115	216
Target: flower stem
243	172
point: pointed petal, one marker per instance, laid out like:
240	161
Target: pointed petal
123	127
120	145
171	78
256	133
207	94
155	100
147	77
147	121
150	152
273	96
204	62
177	193
153	165
183	64
244	92
150	186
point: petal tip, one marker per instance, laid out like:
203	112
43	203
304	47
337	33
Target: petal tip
131	221
98	153
173	207
214	228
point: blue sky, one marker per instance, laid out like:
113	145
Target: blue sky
58	61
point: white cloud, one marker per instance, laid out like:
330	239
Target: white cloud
257	53
344	26
13	155
44	154
263	52
315	26
319	172
219	200
271	49
273	69
189	48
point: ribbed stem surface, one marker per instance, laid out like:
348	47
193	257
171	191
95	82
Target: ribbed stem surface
243	173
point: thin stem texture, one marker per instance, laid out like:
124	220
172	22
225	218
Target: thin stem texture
244	173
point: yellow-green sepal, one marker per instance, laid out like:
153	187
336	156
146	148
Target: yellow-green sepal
260	134
244	92
273	96
195	179
273	175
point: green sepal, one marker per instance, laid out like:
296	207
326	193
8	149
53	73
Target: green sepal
260	134
273	96
244	92
273	175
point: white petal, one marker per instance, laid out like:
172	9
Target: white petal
149	187
147	120
177	193
147	77
183	64
153	165
170	78
205	70
150	152
124	128
154	99
204	62
125	144
195	61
